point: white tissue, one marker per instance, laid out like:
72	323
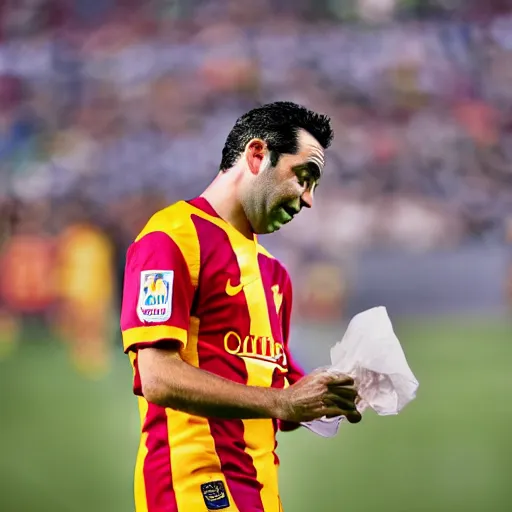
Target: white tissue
372	355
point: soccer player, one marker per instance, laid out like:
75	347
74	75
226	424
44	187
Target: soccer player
206	322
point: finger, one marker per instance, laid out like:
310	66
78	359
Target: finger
345	391
333	412
333	415
339	379
354	417
345	403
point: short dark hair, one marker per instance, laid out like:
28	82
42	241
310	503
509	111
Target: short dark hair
278	125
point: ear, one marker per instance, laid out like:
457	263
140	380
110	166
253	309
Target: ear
255	152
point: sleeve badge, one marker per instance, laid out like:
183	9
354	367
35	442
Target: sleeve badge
155	295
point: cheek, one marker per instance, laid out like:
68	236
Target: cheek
284	193
284	170
280	186
285	178
291	188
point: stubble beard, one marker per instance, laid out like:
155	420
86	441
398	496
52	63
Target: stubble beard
260	201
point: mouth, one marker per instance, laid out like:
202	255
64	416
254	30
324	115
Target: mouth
289	210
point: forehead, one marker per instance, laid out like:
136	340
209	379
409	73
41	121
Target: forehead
310	149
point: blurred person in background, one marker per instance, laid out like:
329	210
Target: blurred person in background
85	276
26	269
325	291
206	321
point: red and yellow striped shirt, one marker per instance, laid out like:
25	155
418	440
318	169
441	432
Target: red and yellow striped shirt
192	277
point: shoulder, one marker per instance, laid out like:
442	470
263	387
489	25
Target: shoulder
174	221
278	267
171	232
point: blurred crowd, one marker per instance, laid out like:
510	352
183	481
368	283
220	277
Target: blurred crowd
111	109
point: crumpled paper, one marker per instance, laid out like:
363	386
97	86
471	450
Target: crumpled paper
372	355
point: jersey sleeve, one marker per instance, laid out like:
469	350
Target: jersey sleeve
157	293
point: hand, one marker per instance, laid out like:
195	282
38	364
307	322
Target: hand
321	393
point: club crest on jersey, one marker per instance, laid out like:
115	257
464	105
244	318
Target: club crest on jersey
155	295
215	496
278	298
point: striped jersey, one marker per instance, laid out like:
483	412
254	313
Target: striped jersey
191	277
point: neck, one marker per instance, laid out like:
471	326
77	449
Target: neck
222	194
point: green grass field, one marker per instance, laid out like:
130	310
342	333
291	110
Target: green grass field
68	444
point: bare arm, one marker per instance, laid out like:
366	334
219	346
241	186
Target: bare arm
168	381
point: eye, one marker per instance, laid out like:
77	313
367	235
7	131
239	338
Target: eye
304	178
308	182
305	182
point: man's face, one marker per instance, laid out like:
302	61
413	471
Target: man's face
280	192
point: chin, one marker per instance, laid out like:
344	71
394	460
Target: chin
272	228
264	229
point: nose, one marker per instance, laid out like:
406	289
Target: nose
306	199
